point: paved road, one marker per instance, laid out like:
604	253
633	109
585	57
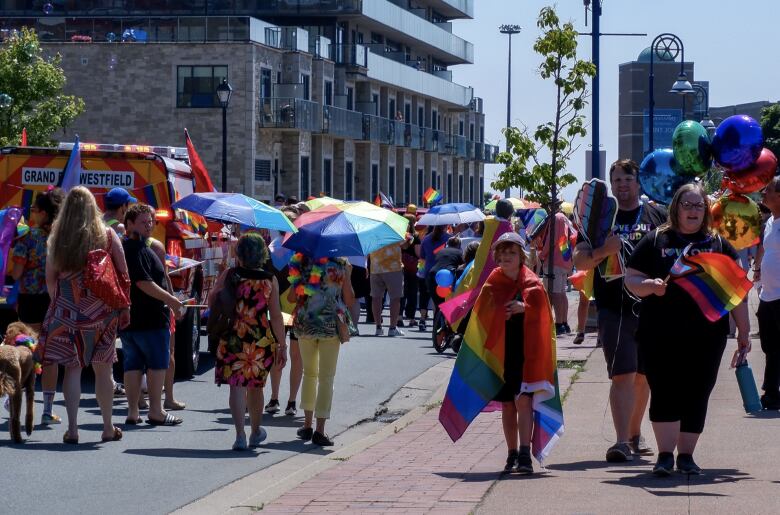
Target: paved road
156	470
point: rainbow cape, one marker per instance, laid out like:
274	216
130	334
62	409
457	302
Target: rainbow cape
432	196
715	281
465	293
479	368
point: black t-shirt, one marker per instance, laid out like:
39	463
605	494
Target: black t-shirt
448	257
654	257
410	249
631	226
146	313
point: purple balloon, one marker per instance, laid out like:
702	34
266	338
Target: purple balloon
737	142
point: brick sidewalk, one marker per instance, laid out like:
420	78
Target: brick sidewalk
417	470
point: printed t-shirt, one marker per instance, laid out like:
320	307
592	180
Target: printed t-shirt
387	259
30	252
146	313
316	315
770	263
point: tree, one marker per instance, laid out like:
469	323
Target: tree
558	47
31	92
770	125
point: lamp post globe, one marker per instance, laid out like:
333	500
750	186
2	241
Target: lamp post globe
224	92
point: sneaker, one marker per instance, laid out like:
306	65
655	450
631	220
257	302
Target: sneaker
393	331
579	339
664	465
379	331
50	419
290	410
524	464
256	439
560	329
566	327
421	326
511	461
639	446
770	403
400	323
305	433
618	453
240	443
321	439
272	407
119	390
686	465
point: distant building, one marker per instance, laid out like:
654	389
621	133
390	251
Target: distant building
752	109
343	97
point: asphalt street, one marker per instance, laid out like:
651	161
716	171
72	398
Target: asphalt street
158	469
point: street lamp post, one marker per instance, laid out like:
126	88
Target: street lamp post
667	46
223	93
703	97
509	29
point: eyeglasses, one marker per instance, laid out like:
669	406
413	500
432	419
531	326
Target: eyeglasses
698	206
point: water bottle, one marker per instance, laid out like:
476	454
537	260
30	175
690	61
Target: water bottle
747	387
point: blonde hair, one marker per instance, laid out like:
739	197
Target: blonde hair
14	329
77	230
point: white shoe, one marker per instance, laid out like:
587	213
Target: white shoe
379	332
256	439
394	331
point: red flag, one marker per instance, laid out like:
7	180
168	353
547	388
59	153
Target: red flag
202	181
24	137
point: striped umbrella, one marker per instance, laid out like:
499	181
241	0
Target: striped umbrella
517	203
452	214
322	201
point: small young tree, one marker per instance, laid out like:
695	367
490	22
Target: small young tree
770	125
31	92
526	161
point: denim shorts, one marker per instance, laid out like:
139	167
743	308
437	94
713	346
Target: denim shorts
146	349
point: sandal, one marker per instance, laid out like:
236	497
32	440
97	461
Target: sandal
133	421
67	439
115	437
169	420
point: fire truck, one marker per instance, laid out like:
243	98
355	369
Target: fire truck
157	176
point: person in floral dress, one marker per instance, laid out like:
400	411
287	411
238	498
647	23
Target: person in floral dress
246	354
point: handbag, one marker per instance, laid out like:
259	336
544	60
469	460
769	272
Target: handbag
101	278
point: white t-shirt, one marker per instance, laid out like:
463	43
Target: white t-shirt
770	263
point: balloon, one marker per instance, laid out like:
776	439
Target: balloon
692	148
737	219
443	292
48	8
110	37
658	175
737	142
754	178
445	278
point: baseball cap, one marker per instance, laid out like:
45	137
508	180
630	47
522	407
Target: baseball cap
119	197
411	209
509	237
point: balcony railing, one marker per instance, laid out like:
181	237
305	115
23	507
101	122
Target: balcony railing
342	122
433	140
376	128
414	135
290	113
351	55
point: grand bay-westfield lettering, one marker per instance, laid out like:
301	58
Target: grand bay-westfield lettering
89	178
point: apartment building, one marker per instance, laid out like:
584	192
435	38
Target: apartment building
341	97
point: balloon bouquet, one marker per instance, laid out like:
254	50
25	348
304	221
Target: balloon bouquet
737	148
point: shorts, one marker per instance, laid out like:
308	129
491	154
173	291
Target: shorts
618	339
360	284
393	282
148	349
32	307
559	280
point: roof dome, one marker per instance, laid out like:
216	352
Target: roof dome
644	56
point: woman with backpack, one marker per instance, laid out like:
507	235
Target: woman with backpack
246	314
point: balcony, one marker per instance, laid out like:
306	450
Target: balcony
342	122
414	135
355	56
376	128
290	113
433	140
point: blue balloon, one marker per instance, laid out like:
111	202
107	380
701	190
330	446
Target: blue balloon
658	175
737	142
445	278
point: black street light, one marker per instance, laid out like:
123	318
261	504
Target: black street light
667	47
223	93
509	29
703	98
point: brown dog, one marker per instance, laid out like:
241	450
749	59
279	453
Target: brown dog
17	372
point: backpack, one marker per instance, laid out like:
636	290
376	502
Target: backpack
222	312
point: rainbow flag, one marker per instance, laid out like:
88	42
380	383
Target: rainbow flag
479	368
583	281
432	196
612	268
382	200
565	247
715	281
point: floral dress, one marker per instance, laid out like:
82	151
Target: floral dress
245	357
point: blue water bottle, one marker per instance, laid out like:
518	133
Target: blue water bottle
747	387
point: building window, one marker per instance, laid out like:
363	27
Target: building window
374	180
420	186
481	134
391	178
460	127
407	185
328	93
276	177
449	187
263	170
351	99
421	116
391	109
471	131
461	196
305	81
304	177
350	180
196	86
408	113
327	177
265	83
435	120
434	182
375	100
471	190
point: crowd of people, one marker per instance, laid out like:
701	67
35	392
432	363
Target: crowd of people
274	295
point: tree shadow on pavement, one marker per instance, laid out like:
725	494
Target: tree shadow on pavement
660	485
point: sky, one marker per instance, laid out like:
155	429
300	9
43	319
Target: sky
730	46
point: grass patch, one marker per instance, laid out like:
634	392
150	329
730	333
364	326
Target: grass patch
571	363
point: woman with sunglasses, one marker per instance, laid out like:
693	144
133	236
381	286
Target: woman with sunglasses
682	349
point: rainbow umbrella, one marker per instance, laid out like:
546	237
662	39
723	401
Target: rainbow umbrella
235	208
347	229
322	201
517	203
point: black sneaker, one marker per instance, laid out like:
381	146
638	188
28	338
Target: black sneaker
321	439
524	464
664	465
619	453
579	339
686	465
272	408
305	433
770	403
511	461
560	329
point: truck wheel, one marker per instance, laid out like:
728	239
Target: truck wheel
187	350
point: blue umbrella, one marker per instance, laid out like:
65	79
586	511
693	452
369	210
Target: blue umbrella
237	209
452	214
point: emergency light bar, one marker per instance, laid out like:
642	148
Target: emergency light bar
179	153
